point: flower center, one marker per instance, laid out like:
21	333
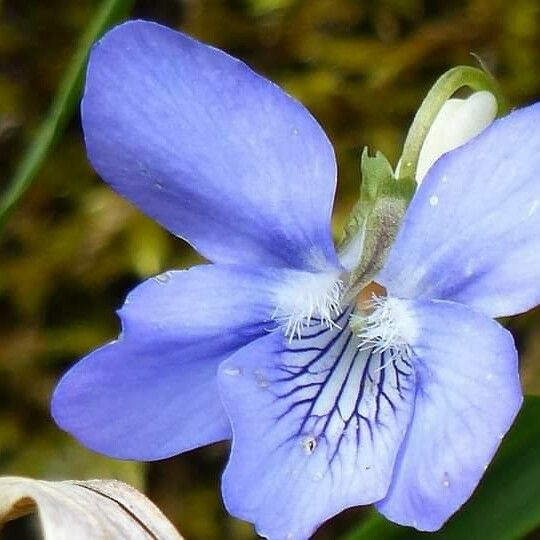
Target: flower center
381	322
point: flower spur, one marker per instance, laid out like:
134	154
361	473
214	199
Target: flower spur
404	409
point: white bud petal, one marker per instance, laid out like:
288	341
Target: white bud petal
458	121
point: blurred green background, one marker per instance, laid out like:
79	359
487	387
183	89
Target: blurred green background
73	249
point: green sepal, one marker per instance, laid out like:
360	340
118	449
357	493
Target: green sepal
375	219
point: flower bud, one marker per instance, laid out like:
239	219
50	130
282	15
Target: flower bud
458	121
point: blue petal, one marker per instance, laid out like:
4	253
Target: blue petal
468	396
472	232
317	425
214	152
153	393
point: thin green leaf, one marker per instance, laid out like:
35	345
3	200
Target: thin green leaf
64	103
505	506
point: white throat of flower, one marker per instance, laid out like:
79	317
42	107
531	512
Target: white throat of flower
384	324
306	299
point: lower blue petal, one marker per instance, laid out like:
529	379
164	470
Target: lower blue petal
317	424
468	396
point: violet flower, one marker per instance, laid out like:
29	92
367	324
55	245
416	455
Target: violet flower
405	412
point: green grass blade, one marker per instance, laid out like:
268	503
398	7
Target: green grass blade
64	103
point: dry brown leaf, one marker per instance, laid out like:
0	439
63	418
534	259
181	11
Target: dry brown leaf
92	509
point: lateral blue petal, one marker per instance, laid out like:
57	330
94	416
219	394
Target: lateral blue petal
468	396
317	424
153	393
217	154
472	232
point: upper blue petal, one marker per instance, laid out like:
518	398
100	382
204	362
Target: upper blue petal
214	152
317	425
472	231
153	393
468	394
